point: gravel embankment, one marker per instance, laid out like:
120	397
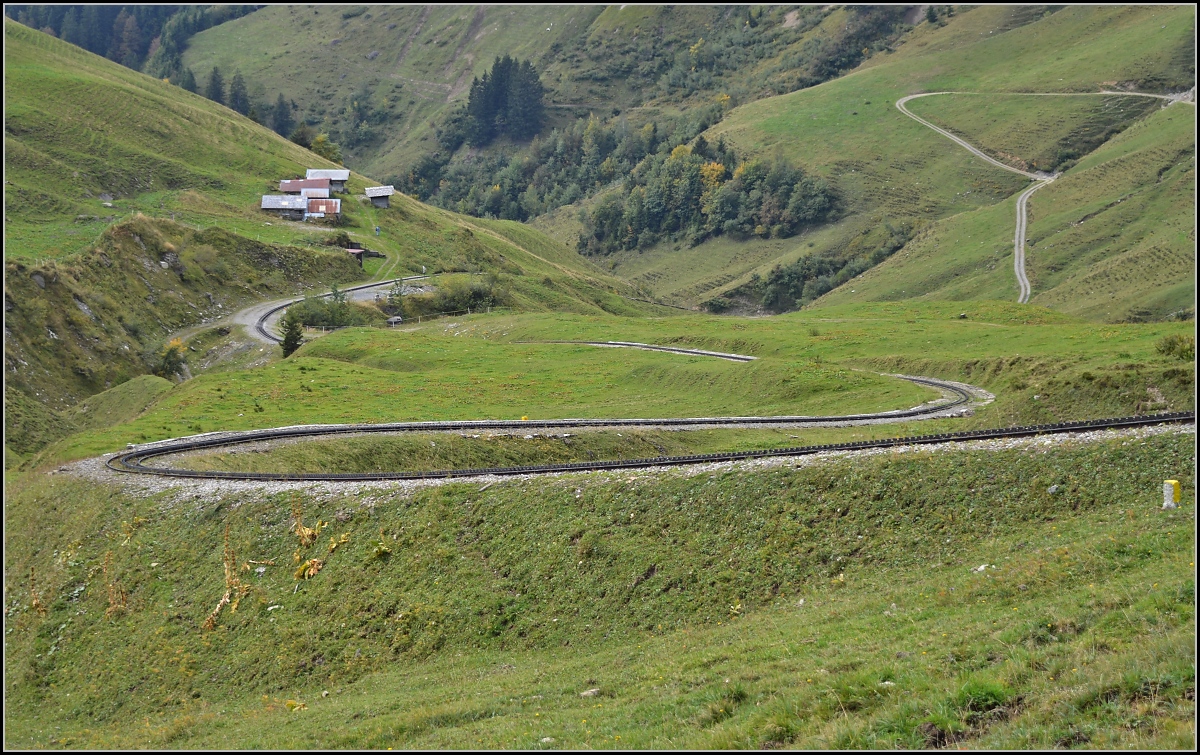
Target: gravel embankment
182	490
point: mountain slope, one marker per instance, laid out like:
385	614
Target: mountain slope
1113	238
90	300
891	169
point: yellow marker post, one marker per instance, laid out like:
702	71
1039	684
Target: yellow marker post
1170	494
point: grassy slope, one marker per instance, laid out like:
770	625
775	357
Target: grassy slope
818	362
78	126
86	301
678	597
832	130
1112	237
427	57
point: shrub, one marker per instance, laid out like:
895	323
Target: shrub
1177	345
171	359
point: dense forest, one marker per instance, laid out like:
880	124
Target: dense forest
558	169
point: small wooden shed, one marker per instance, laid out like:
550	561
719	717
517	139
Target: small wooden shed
319	208
379	195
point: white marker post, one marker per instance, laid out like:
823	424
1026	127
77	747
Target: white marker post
1170	494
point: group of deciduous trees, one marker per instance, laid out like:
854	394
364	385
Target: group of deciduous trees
517	183
700	191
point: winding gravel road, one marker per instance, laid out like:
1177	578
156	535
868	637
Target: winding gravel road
1041	179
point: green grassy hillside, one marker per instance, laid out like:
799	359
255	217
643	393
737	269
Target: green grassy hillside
416	61
1111	239
405	68
833	605
888	168
92	292
1042	367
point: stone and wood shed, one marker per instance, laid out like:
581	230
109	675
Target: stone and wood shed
337	178
379	195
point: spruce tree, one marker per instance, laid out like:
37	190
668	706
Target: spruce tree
72	30
281	119
129	44
118	32
93	37
215	90
239	100
187	80
293	335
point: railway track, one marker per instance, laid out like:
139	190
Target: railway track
260	325
134	461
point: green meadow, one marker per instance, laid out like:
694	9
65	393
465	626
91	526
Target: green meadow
826	361
835	605
1026	595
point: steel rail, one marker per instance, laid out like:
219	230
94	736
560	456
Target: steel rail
134	461
260	325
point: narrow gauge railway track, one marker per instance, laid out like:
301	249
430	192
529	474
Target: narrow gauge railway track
261	324
134	461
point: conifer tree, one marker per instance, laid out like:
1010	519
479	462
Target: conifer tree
293	335
92	34
129	44
239	100
281	118
187	80
72	31
215	90
114	39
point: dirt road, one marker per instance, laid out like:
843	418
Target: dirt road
1042	179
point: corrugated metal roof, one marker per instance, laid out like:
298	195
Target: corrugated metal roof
332	175
324	205
380	191
300	184
314	193
283	202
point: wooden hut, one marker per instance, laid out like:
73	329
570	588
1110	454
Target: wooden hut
379	195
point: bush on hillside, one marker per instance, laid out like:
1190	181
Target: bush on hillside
1176	345
171	359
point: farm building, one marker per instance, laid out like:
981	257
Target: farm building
379	195
298	185
285	206
319	208
315	193
337	178
357	254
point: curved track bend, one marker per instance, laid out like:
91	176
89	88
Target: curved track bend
133	461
